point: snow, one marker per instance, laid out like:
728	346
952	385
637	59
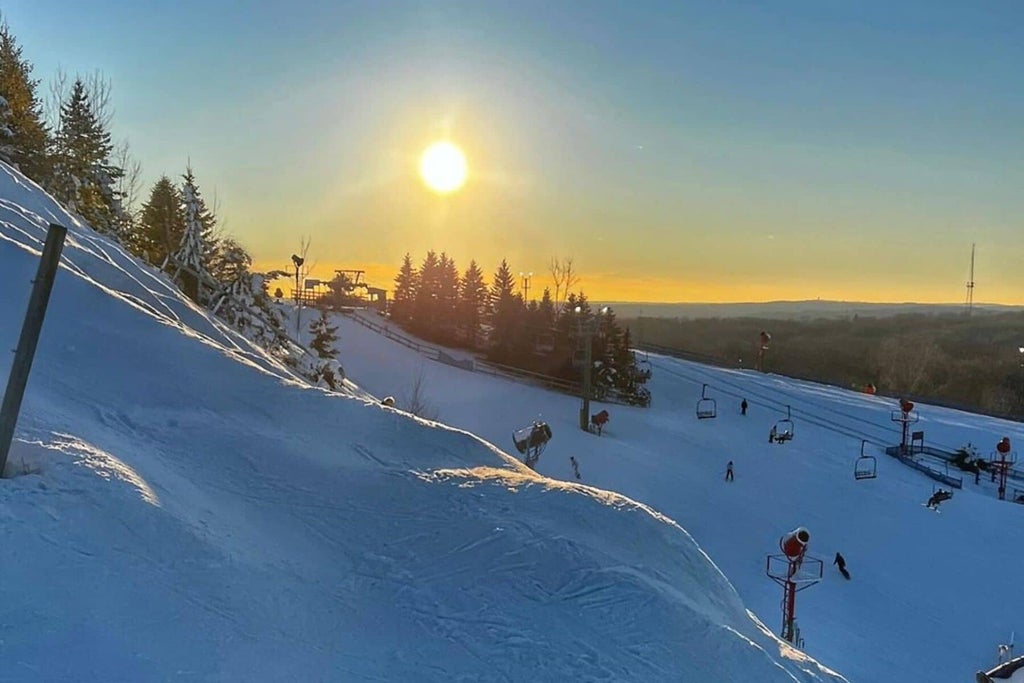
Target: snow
180	506
930	595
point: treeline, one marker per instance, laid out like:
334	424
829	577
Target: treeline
438	303
72	157
972	362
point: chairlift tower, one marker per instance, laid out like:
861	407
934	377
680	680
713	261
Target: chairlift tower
794	571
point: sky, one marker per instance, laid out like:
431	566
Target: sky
677	151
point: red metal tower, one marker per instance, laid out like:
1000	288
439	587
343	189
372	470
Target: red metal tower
794	571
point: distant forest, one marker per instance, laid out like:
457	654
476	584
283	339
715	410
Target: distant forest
970	362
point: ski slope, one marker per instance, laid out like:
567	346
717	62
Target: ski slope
180	507
932	593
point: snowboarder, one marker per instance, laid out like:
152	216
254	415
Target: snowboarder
728	471
841	562
772	435
743	407
937	498
575	466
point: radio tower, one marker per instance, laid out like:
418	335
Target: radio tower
970	285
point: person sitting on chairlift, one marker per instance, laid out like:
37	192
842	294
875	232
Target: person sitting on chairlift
937	498
772	435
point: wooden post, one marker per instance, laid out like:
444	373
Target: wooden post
30	329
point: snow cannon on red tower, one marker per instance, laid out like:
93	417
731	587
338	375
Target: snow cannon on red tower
794	544
1004	445
906	406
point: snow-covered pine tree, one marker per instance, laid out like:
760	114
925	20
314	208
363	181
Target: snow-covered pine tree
325	369
84	178
245	305
192	259
324	336
29	138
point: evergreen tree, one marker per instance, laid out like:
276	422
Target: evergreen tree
200	222
506	314
447	297
162	222
324	336
84	177
229	261
197	246
406	285
246	306
472	303
29	138
426	305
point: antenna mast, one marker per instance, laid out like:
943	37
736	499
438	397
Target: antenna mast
970	285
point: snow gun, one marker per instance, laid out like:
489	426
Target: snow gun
794	544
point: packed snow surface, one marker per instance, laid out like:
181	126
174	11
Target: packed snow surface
184	509
931	594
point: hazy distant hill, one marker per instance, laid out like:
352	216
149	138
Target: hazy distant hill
796	310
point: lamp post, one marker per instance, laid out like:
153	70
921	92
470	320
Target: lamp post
298	261
525	278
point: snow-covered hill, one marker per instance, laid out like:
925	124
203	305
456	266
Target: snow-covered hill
184	509
932	594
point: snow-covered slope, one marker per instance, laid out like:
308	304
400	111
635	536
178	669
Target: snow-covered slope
185	510
932	593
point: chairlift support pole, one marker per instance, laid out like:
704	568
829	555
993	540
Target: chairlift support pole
30	330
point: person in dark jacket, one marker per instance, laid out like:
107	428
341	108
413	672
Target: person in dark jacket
840	561
728	471
743	407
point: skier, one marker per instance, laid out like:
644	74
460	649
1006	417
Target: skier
728	471
743	407
841	561
772	434
575	466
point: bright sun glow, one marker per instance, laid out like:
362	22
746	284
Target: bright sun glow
443	167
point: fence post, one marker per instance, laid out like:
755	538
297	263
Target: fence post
30	329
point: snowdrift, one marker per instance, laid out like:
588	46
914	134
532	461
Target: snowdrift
183	508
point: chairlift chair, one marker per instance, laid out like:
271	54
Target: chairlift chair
865	466
706	406
784	428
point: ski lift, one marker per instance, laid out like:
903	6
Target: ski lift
784	428
864	468
531	441
706	406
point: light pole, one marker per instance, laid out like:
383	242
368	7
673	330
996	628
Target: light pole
525	278
298	261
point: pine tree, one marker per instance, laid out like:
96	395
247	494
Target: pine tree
84	177
426	305
506	314
229	261
29	136
447	297
406	285
162	223
324	336
246	306
472	303
197	246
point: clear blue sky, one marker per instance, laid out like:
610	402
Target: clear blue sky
680	150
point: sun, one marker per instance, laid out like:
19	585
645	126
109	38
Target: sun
443	167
